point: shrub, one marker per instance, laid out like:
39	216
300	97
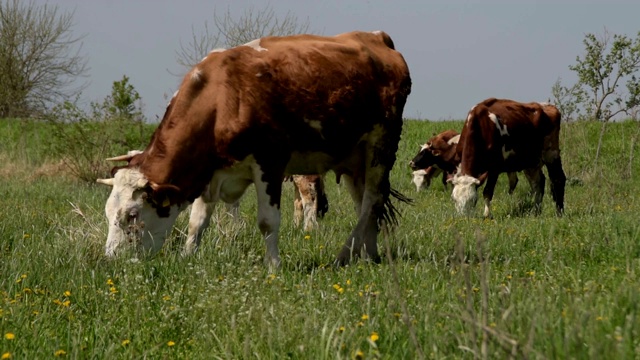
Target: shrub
84	139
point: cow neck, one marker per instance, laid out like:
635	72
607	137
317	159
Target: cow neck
180	155
472	143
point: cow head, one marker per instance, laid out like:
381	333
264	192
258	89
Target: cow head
426	157
465	193
139	212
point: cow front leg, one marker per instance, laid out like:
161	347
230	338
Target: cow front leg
268	191
487	194
199	219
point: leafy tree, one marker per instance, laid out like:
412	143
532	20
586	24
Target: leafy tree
40	59
607	62
568	100
229	32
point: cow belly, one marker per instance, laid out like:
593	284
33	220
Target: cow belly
229	184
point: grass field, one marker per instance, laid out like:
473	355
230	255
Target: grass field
516	286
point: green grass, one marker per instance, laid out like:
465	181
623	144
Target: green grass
534	286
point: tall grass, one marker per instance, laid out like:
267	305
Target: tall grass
517	286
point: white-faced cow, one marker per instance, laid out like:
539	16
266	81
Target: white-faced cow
437	156
502	135
441	155
255	113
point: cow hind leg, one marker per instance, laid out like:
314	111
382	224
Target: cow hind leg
375	210
513	181
558	181
355	187
537	181
297	205
198	222
268	191
363	239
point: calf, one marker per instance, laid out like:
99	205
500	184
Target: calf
502	135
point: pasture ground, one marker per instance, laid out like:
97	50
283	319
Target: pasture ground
518	285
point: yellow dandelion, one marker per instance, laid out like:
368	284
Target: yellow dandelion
599	318
166	298
60	353
57	302
359	354
341	329
272	276
348	281
9	336
26	236
374	336
110	282
66	303
170	343
307	237
365	317
360	324
126	342
113	290
6	355
35	312
67	293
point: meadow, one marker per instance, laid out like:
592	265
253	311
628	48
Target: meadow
516	286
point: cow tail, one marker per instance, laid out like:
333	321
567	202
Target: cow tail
390	214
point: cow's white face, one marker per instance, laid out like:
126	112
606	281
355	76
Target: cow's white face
133	221
465	193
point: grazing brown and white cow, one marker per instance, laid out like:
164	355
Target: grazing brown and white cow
502	135
255	113
437	156
441	155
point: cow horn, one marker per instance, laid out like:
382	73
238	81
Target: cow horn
120	158
105	181
126	157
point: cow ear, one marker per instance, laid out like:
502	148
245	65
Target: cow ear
163	195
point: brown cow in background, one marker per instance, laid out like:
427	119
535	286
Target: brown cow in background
503	135
440	155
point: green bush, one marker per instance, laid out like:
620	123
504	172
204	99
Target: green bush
84	139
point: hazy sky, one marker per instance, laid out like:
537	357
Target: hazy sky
459	52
